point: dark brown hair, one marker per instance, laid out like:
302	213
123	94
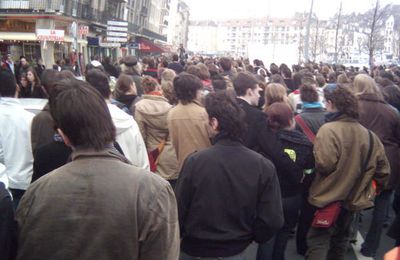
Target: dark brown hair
82	114
149	84
343	99
244	81
186	86
279	115
308	90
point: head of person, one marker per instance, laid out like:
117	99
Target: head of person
23	61
332	78
364	84
187	87
32	77
49	78
81	115
274	92
308	91
340	98
247	87
8	86
99	81
23	80
194	70
320	80
276	78
286	72
151	63
175	57
150	84
168	91
67	74
274	68
219	83
392	96
225	115
204	73
168	75
225	63
297	78
343	79
280	116
125	86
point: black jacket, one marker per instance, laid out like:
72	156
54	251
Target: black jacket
260	138
7	225
176	66
313	117
301	149
227	197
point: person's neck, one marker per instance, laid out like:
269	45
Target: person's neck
245	98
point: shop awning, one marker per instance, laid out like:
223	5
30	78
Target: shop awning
149	47
17	36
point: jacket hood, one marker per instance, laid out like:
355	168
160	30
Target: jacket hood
294	136
154	110
121	120
371	97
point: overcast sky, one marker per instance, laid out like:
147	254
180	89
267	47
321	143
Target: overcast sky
222	9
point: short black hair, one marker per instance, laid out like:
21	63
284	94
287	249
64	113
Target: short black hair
99	81
186	86
175	57
8	85
219	83
82	114
243	81
227	111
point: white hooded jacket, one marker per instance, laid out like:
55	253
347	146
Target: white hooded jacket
129	137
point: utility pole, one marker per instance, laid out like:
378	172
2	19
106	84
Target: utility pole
307	40
337	32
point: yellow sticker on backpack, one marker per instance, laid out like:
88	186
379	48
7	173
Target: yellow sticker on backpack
291	153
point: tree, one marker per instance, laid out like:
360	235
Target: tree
374	24
337	32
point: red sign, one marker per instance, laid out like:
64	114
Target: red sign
50	35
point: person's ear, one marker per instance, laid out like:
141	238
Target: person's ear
249	92
64	137
214	123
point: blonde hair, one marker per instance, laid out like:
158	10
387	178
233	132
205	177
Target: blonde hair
364	84
274	92
168	75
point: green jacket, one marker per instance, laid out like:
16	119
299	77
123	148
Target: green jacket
340	149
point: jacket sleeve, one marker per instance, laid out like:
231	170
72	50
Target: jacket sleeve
183	192
326	152
142	126
269	142
382	171
269	219
160	233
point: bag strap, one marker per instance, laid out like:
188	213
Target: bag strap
306	130
371	145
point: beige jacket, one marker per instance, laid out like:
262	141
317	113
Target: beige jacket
98	207
340	149
151	115
189	129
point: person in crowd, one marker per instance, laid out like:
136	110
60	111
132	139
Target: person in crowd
126	92
391	95
131	67
188	119
343	79
175	65
168	75
23	85
42	130
210	208
67	65
274	92
15	143
34	88
381	118
21	68
109	68
40	67
226	67
219	83
300	150
168	91
151	68
9	63
259	137
203	74
348	177
142	225
277	78
151	115
161	67
332	78
7	224
321	81
128	134
287	77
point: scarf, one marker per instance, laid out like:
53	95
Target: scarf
312	105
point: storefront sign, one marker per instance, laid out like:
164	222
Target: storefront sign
110	44
117	31
117	23
50	35
83	30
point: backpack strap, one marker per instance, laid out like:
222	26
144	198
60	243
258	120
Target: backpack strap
306	130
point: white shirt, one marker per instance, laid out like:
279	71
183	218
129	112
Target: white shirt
129	137
15	144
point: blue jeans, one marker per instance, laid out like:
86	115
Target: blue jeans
373	237
275	249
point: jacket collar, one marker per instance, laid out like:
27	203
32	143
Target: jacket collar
338	116
223	139
154	97
371	97
109	152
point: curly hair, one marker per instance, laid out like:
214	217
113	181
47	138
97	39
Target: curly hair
227	111
343	99
149	84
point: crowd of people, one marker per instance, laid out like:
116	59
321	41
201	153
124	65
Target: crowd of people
201	158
